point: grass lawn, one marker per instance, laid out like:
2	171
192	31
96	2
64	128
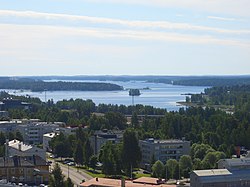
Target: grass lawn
138	175
93	174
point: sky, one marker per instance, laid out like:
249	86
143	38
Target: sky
124	37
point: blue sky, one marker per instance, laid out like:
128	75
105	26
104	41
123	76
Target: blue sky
124	37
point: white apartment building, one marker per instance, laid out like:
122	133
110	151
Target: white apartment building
33	132
162	150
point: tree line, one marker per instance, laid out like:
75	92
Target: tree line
237	96
39	86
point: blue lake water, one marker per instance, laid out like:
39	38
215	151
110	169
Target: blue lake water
158	95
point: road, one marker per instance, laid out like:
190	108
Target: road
74	175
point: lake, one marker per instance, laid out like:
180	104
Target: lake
158	95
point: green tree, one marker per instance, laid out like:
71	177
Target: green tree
11	136
19	136
78	154
197	164
88	152
107	157
131	154
158	169
211	159
2	138
134	120
172	168
57	178
60	146
69	183
186	165
93	161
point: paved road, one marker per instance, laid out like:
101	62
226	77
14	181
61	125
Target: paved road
74	175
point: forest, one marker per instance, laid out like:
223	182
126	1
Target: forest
237	96
40	86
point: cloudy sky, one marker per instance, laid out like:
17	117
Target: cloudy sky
124	37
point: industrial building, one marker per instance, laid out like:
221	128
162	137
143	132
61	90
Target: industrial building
231	173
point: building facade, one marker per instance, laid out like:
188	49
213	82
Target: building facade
101	137
30	170
162	150
33	132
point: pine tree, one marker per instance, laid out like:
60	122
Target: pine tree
56	179
78	154
131	154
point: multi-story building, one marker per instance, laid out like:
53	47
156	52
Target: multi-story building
101	137
162	150
67	130
33	132
15	147
31	170
9	126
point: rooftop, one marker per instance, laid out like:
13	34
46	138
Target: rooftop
16	144
50	135
212	172
141	182
152	140
237	161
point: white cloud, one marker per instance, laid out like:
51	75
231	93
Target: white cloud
230	7
135	24
222	18
42	33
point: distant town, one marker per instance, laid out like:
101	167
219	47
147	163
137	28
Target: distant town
79	143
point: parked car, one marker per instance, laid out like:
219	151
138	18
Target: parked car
71	163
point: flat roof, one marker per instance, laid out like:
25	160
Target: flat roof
237	161
148	180
50	135
212	172
151	140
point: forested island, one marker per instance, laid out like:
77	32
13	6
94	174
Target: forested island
229	98
39	85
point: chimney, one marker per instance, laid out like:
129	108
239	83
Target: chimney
122	182
238	151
